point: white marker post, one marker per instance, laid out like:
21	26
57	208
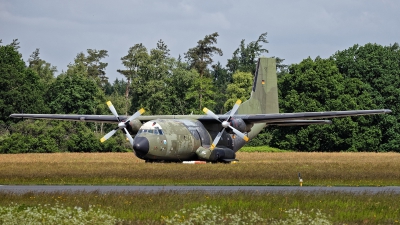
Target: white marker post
300	180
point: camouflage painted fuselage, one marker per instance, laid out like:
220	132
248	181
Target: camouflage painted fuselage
179	139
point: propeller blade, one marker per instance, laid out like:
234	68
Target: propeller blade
210	113
138	113
128	136
108	135
240	134
235	108
216	140
121	125
225	124
112	109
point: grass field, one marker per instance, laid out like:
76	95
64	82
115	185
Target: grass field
282	208
326	169
322	169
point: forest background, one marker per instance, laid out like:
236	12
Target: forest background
360	77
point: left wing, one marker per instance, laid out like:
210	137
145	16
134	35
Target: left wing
299	122
284	117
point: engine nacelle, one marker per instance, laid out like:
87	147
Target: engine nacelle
218	154
134	126
240	125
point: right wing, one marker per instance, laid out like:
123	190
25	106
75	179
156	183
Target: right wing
71	117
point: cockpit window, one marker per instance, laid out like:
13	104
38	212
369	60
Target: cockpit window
156	131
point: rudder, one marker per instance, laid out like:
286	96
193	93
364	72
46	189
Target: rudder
264	94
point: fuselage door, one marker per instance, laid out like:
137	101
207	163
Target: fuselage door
197	140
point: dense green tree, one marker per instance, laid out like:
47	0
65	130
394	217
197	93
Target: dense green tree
90	66
137	55
148	80
162	49
317	85
200	56
75	93
178	83
20	87
160	82
221	80
240	88
45	136
379	67
245	56
119	102
42	68
201	94
95	67
79	65
118	86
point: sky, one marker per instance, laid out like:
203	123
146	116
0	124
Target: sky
297	29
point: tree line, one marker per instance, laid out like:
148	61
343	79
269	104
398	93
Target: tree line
360	77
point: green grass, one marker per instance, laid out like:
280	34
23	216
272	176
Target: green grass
155	208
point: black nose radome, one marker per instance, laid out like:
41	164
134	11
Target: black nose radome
141	146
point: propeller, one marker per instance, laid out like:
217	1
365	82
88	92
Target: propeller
121	125
225	124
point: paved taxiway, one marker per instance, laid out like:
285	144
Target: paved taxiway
58	188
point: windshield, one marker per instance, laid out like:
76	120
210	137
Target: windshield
151	131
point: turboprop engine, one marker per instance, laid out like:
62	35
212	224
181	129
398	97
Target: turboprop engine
240	125
133	126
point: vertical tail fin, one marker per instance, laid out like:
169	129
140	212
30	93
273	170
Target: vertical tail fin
264	95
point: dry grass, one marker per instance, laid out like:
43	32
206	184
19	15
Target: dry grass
327	169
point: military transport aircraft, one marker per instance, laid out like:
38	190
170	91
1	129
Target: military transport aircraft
211	137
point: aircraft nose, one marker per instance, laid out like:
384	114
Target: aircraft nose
141	145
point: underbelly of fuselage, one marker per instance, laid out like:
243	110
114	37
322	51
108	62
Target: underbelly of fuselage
171	157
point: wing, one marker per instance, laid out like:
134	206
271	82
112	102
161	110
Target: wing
81	118
288	119
299	122
282	117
